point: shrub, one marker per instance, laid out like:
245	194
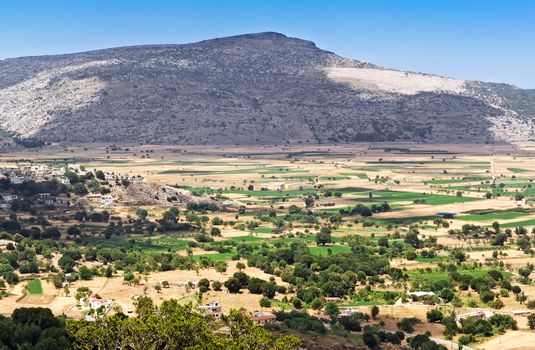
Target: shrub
216	285
486	296
233	285
201	237
370	340
297	303
407	324
215	232
531	321
331	309
350	323
203	285
466	339
496	304
300	321
265	302
422	341
475	326
435	316
374	311
503	321
217	221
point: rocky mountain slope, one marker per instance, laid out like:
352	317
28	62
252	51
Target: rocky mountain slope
261	88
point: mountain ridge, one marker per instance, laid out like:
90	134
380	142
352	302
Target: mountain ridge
259	88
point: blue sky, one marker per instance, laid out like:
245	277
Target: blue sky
486	40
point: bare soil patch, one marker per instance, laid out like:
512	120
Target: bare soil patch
512	340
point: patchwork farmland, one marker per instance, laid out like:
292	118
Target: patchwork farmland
311	226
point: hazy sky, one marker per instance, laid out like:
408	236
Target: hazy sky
490	40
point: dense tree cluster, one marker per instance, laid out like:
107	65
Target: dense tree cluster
33	328
319	275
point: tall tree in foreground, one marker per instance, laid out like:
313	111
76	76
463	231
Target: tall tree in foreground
32	328
175	327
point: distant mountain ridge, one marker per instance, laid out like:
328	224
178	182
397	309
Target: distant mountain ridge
262	88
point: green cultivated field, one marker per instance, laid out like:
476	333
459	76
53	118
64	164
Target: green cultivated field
269	193
530	222
436	275
517	170
453	181
334	178
35	287
335	249
374	298
358	175
436	259
430	199
266	170
300	177
263	230
423	162
401	221
492	216
214	257
246	239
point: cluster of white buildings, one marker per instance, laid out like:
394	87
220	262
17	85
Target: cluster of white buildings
95	306
37	173
45	198
7	199
106	200
214	309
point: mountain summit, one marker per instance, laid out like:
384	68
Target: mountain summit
262	88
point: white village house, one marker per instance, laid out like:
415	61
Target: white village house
17	180
107	200
211	309
479	314
93	197
304	186
8	198
259	317
274	186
